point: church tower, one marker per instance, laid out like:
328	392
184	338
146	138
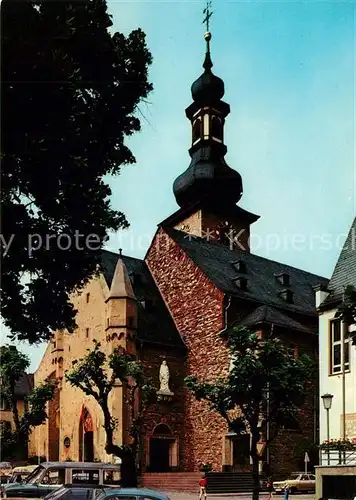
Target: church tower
209	190
121	309
120	332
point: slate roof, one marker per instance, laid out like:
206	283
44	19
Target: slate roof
155	323
270	315
345	270
216	262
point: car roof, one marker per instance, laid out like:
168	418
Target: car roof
135	491
84	485
81	465
25	468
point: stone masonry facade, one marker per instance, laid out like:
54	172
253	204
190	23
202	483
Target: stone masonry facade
199	311
197	307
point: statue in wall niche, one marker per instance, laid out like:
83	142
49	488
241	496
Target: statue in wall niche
164	379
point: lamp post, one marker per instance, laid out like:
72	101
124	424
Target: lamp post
327	402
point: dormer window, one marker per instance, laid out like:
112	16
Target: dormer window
240	266
287	295
283	278
240	283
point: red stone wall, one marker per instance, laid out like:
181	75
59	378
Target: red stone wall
197	308
287	451
169	413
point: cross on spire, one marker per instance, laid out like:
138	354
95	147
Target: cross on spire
208	13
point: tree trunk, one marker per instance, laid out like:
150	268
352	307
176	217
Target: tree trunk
128	463
21	446
21	451
128	471
255	462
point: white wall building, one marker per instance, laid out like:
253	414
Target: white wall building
331	350
334	347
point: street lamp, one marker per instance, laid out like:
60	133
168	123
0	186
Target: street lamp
327	402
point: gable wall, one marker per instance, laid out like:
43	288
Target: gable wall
92	315
332	384
197	308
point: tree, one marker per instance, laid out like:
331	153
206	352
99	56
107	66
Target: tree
347	310
13	366
70	93
96	375
261	369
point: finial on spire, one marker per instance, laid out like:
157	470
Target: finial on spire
208	13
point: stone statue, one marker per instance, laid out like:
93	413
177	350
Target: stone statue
164	378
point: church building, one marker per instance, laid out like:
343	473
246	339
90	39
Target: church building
198	277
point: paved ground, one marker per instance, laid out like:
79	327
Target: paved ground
239	496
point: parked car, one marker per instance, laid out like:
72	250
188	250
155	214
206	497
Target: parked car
49	476
297	482
19	474
131	494
94	492
5	472
75	492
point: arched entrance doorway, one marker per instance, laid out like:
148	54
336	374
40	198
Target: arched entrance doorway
86	437
163	450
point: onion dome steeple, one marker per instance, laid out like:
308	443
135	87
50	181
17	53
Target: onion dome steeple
208	178
208	87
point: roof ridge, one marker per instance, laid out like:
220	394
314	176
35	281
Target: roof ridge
242	252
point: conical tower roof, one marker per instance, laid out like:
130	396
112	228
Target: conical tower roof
121	286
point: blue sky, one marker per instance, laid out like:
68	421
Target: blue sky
288	69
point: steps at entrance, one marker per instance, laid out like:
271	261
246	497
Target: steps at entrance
218	482
230	482
172	481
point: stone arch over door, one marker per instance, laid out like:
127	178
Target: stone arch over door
162	449
86	436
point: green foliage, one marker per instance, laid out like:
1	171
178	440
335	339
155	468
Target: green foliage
96	375
8	443
261	369
71	92
347	310
37	399
13	365
339	444
206	467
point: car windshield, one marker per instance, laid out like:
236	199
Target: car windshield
17	477
74	494
294	476
35	475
